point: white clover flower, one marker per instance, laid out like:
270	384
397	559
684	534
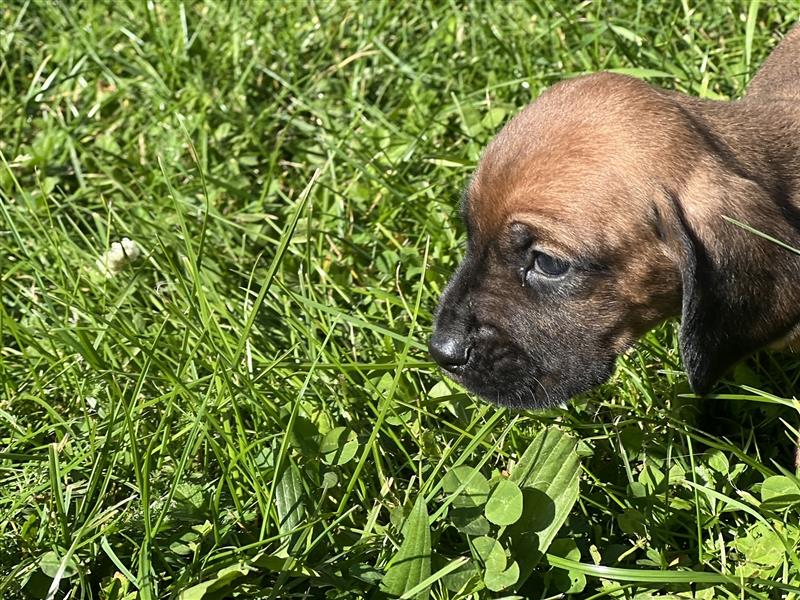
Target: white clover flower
119	256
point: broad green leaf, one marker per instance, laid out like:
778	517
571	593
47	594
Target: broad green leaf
469	520
651	477
399	514
494	118
637	490
495	575
50	562
190	494
566	581
504	506
473	485
339	446
626	33
399	419
440	390
412	563
366	573
116	588
500	580
461	577
304	435
632	438
548	474
737	470
221	580
542	460
329	479
780	491
631	521
491	553
676	474
717	461
761	545
185	544
289	499
281	562
565	547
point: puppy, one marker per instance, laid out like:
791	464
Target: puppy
606	207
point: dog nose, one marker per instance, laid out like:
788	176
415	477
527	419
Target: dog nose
449	350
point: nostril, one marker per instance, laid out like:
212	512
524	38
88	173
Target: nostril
449	350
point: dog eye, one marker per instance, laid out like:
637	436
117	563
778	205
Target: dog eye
549	265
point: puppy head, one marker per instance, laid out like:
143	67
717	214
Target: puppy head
577	245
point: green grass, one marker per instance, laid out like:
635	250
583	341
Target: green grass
250	406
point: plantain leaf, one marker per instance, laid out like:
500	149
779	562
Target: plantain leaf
548	474
412	563
289	499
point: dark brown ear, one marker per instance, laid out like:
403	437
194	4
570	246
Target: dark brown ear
741	292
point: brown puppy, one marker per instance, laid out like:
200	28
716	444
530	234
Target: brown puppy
600	210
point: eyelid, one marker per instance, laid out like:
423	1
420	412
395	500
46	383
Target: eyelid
528	241
557	253
576	262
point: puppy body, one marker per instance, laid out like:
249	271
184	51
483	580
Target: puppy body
634	189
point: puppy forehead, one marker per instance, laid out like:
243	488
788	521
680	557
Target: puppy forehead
583	154
570	205
569	180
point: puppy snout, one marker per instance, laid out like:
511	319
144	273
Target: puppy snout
449	349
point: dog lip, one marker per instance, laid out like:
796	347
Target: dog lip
455	372
456	375
457	368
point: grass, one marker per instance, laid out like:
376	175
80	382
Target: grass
249	410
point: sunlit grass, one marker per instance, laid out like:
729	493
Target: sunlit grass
249	405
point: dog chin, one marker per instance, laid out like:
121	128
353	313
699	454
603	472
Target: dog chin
529	392
520	394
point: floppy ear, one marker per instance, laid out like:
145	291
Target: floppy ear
740	291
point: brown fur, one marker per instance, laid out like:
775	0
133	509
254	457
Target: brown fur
609	170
